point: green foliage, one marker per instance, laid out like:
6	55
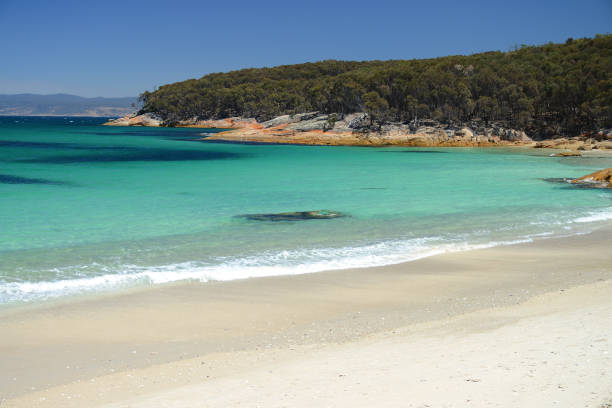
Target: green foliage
331	121
546	90
376	106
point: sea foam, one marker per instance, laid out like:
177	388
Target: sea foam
276	263
268	263
600	215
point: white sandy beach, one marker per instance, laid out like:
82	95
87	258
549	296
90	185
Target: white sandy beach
542	353
527	325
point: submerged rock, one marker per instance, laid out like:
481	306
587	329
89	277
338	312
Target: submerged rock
566	154
294	216
567	183
599	179
557	180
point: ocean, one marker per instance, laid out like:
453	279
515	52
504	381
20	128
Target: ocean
86	208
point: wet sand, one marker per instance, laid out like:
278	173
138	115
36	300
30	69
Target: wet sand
294	340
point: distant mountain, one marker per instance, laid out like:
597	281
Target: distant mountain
65	105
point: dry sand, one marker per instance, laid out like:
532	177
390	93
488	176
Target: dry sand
522	325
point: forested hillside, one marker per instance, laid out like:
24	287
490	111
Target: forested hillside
548	90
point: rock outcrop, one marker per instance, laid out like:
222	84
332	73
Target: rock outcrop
599	179
582	143
147	119
288	119
315	128
280	120
320	122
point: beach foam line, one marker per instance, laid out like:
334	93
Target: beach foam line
273	263
278	263
600	215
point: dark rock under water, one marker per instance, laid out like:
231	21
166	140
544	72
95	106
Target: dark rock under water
136	155
557	180
11	179
294	216
571	183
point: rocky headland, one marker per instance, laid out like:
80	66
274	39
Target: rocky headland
356	129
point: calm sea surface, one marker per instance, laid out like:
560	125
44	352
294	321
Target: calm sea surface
88	208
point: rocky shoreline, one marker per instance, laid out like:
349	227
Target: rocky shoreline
356	129
598	179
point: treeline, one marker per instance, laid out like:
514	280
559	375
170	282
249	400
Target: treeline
548	90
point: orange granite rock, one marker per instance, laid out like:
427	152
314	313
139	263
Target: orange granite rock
601	178
313	128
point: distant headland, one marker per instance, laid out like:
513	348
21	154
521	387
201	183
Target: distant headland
557	94
65	105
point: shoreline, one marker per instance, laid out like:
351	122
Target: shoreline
89	292
312	129
70	347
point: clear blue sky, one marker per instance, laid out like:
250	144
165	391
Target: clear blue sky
121	48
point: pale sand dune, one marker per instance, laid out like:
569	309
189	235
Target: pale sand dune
524	325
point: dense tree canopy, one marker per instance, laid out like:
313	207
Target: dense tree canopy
553	89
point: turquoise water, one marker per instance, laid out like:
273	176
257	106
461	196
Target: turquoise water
85	207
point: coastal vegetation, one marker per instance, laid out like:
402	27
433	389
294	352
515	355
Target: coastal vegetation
547	90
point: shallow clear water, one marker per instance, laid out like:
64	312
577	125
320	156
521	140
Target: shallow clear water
85	207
